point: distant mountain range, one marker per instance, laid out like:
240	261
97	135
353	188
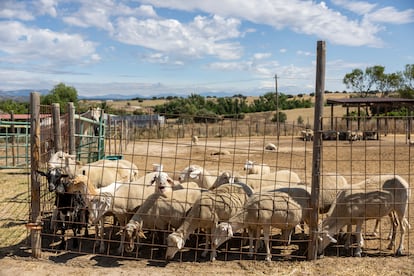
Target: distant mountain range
23	95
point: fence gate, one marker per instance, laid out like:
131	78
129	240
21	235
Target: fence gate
14	142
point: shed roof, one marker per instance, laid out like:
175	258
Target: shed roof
371	101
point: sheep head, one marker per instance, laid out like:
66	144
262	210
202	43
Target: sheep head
133	230
222	232
163	182
175	242
224	178
190	173
324	240
248	165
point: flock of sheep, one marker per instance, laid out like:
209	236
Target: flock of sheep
223	205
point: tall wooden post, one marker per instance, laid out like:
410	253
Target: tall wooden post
71	125
317	148
35	225
56	127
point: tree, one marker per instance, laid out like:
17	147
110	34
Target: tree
61	94
362	82
282	117
407	90
9	106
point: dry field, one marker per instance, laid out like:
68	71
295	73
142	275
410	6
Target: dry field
355	161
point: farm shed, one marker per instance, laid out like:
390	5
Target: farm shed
387	104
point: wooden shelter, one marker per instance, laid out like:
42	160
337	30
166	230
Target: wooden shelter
373	103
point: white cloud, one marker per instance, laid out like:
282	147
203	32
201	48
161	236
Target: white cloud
305	17
283	50
22	44
202	36
262	55
100	14
47	7
15	10
391	15
303	53
358	7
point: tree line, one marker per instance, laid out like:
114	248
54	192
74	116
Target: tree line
365	83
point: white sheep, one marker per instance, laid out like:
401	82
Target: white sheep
353	208
101	173
159	211
213	206
198	174
307	135
120	202
252	167
270	146
262	211
194	139
270	181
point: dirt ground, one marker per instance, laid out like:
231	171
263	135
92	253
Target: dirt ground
355	161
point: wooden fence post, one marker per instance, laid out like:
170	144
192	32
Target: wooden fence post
35	218
317	149
56	127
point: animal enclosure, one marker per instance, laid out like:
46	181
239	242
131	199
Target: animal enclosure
224	147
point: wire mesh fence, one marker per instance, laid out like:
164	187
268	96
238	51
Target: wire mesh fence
345	163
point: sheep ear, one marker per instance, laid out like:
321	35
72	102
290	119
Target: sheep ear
331	238
41	173
180	243
195	174
141	234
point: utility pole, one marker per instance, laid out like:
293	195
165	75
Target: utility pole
277	111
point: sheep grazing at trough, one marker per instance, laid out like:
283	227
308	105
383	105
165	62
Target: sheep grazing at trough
354	207
262	211
119	199
208	210
160	211
252	167
270	146
101	172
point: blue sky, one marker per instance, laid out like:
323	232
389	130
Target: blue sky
178	47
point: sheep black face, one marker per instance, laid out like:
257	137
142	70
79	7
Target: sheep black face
54	179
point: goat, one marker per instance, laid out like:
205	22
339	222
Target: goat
70	208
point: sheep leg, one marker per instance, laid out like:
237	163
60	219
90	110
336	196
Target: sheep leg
99	234
348	236
402	221
393	232
251	232
266	235
376	228
208	238
360	239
